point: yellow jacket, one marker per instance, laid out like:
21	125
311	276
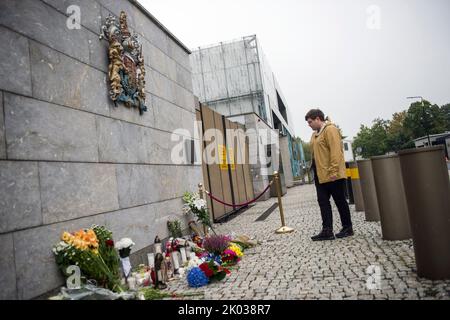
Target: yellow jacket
328	153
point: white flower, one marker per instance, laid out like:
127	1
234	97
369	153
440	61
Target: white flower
59	247
195	262
200	204
124	244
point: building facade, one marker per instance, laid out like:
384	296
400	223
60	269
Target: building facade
69	158
348	150
235	79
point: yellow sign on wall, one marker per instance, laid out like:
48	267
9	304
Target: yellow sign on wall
223	159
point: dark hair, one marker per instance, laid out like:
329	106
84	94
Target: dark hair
315	113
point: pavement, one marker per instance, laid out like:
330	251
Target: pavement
292	267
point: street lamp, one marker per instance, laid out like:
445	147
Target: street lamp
423	117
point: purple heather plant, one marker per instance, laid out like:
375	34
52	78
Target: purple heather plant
216	243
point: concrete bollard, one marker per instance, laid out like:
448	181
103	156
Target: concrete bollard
427	190
391	198
369	192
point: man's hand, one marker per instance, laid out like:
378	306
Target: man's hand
333	178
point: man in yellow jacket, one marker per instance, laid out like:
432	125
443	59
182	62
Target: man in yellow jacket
329	174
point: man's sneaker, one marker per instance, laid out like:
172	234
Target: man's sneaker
345	232
325	234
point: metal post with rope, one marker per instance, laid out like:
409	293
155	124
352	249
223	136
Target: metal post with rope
283	229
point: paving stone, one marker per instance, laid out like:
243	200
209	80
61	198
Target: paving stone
293	267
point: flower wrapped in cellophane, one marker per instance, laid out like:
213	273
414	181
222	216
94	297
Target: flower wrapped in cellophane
92	250
197	206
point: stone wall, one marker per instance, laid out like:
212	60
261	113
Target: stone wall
68	157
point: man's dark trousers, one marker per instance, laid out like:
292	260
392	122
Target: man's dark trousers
335	189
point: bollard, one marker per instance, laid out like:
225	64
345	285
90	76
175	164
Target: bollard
391	198
283	228
427	189
356	187
369	192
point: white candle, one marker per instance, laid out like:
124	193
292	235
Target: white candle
151	260
160	279
176	262
188	252
183	255
132	283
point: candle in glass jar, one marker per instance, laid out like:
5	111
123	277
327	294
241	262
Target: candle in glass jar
183	255
176	262
151	260
158	248
132	283
188	252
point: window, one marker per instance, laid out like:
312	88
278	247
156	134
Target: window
346	146
189	147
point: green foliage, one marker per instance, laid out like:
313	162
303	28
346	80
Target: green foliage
154	294
372	141
174	228
421	119
106	249
445	109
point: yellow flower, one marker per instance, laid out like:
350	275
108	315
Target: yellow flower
95	251
236	249
91	233
77	243
66	236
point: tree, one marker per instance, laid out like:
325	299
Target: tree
397	137
424	118
384	136
372	141
445	110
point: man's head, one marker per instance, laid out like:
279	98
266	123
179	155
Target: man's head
315	119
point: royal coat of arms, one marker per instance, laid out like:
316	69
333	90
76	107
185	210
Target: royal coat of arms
126	63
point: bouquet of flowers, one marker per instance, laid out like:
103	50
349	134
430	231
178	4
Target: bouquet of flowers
88	249
205	273
216	244
124	246
232	255
197	206
106	249
214	271
230	258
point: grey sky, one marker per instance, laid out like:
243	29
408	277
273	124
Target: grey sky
324	54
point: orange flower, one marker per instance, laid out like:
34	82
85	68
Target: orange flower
79	234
